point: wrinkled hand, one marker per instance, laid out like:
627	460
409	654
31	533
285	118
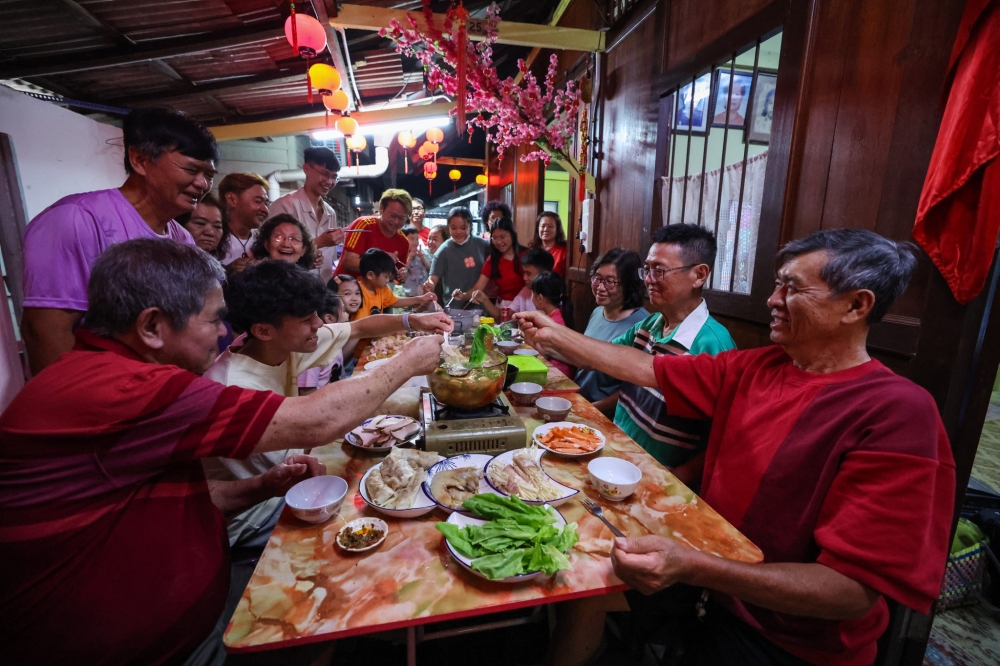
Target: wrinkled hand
280	478
330	238
239	264
651	563
422	354
433	322
318	260
538	328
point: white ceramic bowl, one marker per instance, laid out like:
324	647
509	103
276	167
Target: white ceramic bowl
553	409
614	478
525	393
526	352
318	499
357	523
508	346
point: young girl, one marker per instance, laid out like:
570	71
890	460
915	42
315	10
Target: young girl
548	294
349	291
333	312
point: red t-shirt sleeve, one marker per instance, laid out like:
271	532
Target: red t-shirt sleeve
231	428
886	519
487	267
690	384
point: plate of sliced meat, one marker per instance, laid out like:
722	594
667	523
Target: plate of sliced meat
381	433
569	439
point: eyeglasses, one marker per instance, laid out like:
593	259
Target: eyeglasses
294	240
323	173
609	283
396	218
659	273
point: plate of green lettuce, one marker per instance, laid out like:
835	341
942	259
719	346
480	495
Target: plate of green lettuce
506	540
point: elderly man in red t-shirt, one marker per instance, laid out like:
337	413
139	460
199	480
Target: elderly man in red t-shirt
838	469
113	549
383	231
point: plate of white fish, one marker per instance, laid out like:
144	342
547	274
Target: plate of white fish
393	486
519	472
456	479
381	433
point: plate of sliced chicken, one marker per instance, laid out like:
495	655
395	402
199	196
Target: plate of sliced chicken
381	433
392	487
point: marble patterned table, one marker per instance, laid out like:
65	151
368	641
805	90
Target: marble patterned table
305	589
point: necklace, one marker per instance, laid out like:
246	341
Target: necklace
243	244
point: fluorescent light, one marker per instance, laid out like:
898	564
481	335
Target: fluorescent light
357	200
416	125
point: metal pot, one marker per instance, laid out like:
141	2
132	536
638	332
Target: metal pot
480	387
463	318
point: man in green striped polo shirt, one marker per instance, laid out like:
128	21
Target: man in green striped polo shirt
675	272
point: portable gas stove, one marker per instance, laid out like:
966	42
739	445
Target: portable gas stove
491	429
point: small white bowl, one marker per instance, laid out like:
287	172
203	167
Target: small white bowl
318	499
526	352
614	478
525	393
553	409
508	347
377	523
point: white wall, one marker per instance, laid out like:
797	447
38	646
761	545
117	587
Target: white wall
58	152
262	157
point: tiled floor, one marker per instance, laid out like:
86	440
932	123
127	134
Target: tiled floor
970	636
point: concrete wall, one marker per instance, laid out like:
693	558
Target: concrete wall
263	157
58	152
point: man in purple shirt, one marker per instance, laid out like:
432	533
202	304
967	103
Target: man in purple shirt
170	161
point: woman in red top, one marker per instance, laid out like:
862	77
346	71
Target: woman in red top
549	236
502	269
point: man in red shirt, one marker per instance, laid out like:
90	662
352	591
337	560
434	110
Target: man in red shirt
838	469
114	545
382	232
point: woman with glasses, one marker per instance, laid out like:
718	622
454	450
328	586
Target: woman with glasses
286	239
614	279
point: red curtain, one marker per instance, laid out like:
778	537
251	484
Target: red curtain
958	219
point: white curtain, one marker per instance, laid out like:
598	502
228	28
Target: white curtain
683	198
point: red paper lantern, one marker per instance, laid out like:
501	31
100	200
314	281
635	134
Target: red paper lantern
308	38
435	135
430	169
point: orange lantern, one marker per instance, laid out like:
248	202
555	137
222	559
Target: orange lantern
430	148
435	135
406	139
481	179
338	102
324	78
424	152
454	174
348	126
357	143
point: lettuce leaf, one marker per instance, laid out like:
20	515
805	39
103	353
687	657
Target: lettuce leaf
477	353
501	565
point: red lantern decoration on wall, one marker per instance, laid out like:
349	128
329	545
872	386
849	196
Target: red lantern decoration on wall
307	37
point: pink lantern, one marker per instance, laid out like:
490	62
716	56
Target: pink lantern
430	169
308	37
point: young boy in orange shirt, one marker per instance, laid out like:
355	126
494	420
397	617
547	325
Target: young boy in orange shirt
377	269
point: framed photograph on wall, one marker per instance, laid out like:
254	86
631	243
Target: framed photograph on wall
696	108
762	108
737	102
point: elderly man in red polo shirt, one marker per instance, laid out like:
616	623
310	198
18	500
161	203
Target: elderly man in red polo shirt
114	551
837	468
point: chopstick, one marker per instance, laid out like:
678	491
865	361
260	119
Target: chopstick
357	231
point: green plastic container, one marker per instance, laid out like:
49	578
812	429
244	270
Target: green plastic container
529	369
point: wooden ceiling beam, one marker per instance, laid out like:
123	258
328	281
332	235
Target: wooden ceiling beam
161	48
91	21
235	84
462	161
364	17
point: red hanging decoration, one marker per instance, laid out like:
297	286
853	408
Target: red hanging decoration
309	83
463	54
295	30
583	153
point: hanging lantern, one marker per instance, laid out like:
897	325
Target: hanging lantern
430	173
424	151
406	139
348	126
435	135
429	148
338	102
481	179
307	37
357	143
454	175
325	79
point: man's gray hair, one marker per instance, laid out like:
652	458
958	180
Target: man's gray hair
145	273
860	259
